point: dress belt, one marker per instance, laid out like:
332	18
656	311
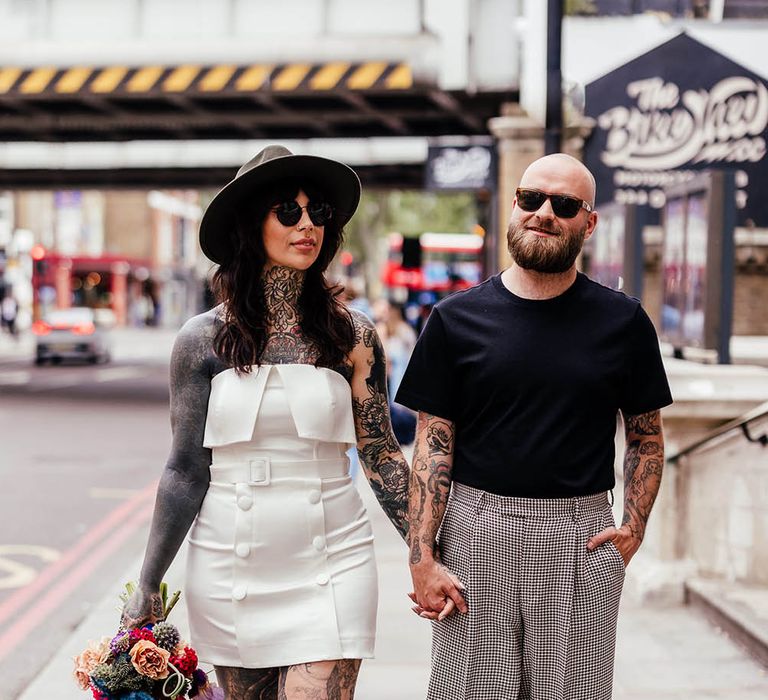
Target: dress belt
260	472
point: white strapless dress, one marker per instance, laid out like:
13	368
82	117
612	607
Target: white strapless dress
281	568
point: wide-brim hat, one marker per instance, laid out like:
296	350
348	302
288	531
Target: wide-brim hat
338	182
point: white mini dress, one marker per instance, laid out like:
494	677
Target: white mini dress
281	567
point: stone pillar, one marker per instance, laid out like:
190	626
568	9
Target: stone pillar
520	141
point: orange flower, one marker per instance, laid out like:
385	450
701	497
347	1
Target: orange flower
95	654
150	660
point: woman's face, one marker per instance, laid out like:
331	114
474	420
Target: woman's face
296	246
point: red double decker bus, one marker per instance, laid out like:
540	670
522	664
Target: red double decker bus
440	263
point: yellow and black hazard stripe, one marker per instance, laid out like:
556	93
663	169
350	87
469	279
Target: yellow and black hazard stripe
204	80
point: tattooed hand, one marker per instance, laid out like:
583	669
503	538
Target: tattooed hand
437	591
142	608
643	465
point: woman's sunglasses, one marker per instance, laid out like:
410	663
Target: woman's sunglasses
563	205
289	213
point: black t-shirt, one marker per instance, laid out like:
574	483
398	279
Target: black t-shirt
534	386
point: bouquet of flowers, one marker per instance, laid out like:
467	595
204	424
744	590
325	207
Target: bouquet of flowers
146	663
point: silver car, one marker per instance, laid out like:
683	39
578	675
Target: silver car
75	333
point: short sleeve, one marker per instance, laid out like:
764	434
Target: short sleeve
646	388
427	384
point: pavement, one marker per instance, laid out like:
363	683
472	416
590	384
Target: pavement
664	652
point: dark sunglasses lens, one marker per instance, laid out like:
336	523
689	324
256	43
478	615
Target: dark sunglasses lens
530	200
288	213
565	206
320	213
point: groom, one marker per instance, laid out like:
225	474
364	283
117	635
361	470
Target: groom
518	382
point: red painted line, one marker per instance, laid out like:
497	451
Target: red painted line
85	544
40	610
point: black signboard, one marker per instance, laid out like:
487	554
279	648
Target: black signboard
461	168
672	112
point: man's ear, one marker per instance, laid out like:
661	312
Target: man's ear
591	224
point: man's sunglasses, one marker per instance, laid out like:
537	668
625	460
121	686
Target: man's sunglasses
563	205
289	213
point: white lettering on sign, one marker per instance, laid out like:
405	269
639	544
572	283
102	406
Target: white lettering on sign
455	167
667	130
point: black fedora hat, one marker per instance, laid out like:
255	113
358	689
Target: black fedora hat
338	182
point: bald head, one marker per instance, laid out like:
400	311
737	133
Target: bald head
562	174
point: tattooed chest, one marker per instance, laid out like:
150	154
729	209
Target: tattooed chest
288	347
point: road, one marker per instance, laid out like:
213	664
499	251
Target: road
82	448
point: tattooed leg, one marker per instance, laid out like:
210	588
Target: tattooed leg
248	683
320	680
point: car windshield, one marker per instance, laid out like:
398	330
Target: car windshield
70	317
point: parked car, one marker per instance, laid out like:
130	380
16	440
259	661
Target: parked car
75	333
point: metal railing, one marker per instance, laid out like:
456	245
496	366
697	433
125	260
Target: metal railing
741	423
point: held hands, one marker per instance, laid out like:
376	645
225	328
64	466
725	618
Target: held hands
622	538
437	592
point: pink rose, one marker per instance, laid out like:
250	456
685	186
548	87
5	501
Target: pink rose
96	653
150	660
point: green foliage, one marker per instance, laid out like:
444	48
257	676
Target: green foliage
408	212
579	7
121	676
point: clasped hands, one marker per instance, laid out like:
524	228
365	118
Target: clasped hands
437	592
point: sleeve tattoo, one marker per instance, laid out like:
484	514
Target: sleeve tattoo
380	454
430	483
643	466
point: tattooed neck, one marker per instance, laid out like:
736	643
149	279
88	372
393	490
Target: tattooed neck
285	342
282	289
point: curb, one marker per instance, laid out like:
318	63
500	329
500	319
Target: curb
740	611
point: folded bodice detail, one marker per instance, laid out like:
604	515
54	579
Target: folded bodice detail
280	408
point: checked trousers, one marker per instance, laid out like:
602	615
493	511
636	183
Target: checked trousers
542	609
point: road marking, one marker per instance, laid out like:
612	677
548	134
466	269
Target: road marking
43	606
75	554
112	493
19	574
15	377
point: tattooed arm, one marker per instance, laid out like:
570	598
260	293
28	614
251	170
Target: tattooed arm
185	478
643	465
380	454
436	590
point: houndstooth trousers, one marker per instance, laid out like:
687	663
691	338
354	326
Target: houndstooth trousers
542	609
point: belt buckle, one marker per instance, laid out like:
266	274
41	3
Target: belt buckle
260	472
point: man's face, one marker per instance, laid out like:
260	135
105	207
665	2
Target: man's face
540	240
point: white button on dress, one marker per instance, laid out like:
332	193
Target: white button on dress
266	557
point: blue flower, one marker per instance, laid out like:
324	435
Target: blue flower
136	695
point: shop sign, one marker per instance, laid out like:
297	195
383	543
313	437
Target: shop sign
676	110
461	168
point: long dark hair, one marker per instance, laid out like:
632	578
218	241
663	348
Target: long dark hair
324	320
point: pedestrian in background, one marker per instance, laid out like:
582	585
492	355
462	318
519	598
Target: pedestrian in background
518	382
268	391
9	309
399	339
